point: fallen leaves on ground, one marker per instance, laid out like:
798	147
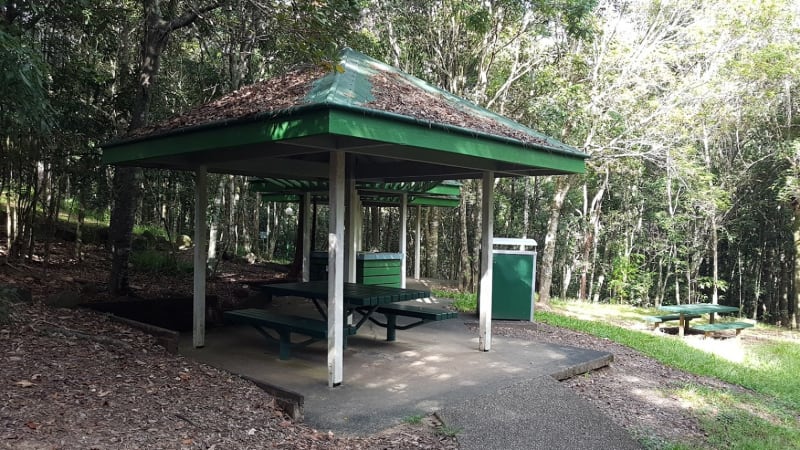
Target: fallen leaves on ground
90	394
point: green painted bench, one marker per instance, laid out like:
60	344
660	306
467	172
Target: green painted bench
284	325
708	328
425	315
658	320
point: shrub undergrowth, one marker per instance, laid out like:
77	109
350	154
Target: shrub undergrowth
149	260
462	301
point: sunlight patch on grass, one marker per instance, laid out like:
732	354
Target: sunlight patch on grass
781	381
728	348
767	417
741	420
629	315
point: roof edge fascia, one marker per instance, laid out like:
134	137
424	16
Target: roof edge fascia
303	109
574	152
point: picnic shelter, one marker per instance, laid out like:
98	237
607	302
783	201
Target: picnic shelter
357	120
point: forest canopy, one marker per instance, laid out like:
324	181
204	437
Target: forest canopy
689	111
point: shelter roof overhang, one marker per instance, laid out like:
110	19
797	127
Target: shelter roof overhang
384	148
395	127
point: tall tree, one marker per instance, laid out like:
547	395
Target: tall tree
156	33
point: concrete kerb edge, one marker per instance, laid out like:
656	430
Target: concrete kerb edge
582	368
164	337
289	401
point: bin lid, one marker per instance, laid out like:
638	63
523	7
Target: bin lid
514	242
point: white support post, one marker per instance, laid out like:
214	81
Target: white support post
306	205
403	237
487	221
200	204
351	231
336	238
417	238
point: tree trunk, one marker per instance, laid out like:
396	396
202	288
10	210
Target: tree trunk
231	235
464	278
126	179
296	268
796	267
592	232
125	191
313	224
477	225
526	206
375	225
245	211
714	260
79	225
216	217
563	185
432	245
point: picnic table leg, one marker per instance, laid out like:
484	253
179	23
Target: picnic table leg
391	327
285	344
320	308
681	324
711	317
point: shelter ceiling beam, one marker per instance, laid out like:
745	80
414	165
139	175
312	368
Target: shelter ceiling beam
266	167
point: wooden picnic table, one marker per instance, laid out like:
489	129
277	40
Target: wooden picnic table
694	309
361	297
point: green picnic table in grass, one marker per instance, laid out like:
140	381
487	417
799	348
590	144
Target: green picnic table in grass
696	309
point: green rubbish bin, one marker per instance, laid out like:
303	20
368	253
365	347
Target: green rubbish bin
513	278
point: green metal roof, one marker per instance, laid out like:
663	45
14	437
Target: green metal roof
352	87
395	126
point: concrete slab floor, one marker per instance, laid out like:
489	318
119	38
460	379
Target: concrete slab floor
427	369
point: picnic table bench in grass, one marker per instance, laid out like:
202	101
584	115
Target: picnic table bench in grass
709	328
284	325
658	320
712	309
393	310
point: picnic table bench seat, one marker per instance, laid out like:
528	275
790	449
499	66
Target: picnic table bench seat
658	320
708	328
425	315
284	325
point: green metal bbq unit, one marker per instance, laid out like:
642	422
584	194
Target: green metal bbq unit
374	268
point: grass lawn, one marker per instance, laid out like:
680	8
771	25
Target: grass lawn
766	362
766	415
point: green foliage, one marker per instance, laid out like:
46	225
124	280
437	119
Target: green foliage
462	301
24	103
150	260
150	232
687	107
415	419
629	283
70	207
447	431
